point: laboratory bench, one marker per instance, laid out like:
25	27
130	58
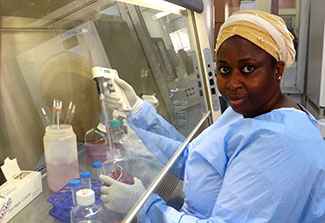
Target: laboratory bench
37	211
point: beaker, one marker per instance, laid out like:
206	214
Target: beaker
61	156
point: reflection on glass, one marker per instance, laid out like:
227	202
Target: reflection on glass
50	55
169	35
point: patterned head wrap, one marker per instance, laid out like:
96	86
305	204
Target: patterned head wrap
265	30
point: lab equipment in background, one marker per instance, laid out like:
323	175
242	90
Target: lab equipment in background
180	114
95	141
97	169
61	156
62	200
75	185
180	106
85	177
87	210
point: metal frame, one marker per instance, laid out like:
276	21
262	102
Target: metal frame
203	43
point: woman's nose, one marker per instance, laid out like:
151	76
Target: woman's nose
235	81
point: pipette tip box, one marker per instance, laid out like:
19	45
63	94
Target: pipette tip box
19	189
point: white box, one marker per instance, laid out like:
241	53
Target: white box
19	190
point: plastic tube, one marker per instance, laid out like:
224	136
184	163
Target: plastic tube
85	180
75	185
98	169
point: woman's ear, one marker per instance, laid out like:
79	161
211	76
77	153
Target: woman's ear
278	70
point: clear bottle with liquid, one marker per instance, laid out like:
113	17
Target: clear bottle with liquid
86	210
95	141
118	134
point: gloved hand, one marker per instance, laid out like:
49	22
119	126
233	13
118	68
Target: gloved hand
120	197
113	100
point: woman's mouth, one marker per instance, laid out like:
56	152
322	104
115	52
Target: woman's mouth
236	101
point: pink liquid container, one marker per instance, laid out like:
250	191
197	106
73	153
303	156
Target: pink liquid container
61	156
95	141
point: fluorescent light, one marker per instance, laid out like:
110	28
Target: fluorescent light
157	4
159	15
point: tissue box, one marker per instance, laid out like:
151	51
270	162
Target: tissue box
20	188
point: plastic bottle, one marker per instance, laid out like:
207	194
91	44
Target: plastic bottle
98	169
118	134
85	177
86	210
61	155
75	185
95	141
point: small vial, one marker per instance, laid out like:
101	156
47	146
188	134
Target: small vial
75	185
85	177
98	169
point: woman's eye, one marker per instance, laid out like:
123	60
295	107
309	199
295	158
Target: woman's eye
248	69
223	70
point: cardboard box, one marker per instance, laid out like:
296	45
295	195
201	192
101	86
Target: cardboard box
19	190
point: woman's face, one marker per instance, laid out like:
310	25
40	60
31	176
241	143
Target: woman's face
248	77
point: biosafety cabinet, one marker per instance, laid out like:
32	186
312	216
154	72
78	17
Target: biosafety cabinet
47	50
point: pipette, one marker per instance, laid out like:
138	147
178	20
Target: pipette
46	118
107	125
99	77
68	113
54	112
58	113
72	114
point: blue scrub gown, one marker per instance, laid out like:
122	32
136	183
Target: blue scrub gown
270	168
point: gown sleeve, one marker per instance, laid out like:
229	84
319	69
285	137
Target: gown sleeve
159	136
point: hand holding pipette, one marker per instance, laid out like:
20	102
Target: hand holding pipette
100	76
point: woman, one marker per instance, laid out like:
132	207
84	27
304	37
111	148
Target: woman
262	161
